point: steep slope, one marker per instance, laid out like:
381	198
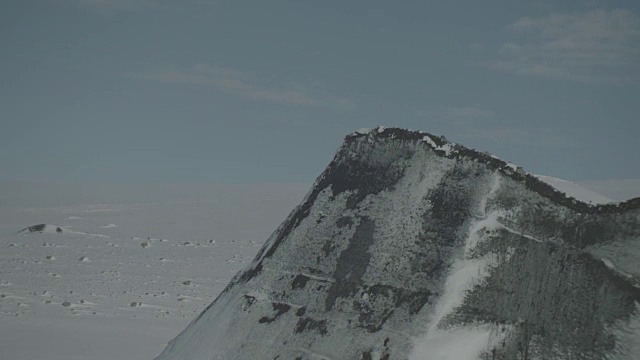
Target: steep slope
409	246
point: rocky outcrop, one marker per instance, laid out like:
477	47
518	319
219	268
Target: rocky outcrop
42	229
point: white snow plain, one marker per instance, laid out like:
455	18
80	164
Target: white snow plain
99	291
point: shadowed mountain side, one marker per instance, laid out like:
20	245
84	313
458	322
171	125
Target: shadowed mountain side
408	246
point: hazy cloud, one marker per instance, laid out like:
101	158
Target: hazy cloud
472	123
112	7
596	46
469	112
107	6
456	113
242	84
531	137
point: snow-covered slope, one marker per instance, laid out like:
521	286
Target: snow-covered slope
409	246
575	190
617	189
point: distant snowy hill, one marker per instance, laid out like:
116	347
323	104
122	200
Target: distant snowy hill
619	190
576	191
597	191
53	229
409	246
43	229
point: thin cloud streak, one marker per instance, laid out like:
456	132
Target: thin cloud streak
236	82
456	113
593	47
109	8
116	5
532	137
473	124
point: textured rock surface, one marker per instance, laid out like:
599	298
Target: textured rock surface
408	246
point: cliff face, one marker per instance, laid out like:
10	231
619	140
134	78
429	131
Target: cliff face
408	246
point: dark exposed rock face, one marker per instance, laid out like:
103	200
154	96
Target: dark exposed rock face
34	228
409	247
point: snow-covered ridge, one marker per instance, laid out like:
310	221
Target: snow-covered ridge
448	149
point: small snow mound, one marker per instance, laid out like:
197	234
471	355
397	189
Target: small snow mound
109	226
84	259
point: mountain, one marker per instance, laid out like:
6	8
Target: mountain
410	246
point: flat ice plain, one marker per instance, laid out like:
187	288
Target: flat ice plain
122	279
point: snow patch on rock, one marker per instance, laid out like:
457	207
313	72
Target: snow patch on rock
468	342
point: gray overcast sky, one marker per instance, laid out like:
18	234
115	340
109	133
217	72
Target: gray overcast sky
264	91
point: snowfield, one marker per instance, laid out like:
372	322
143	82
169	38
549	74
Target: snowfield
120	281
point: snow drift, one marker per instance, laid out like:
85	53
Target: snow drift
409	246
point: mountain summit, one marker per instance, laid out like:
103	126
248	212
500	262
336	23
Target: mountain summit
410	246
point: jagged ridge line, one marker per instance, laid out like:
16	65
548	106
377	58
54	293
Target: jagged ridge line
528	179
